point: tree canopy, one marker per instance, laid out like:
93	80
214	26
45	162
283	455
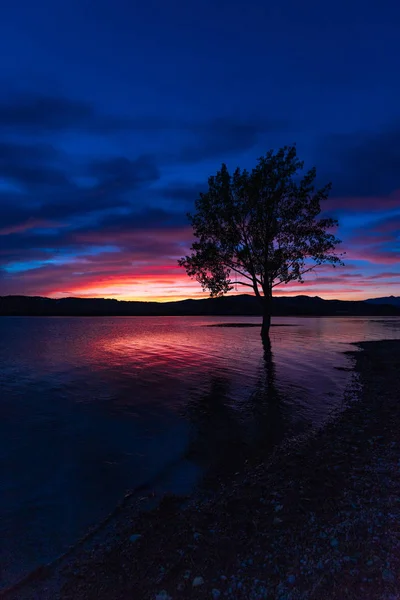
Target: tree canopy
261	228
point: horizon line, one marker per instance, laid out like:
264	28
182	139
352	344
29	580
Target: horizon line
164	300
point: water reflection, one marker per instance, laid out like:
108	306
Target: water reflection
217	435
93	406
270	410
224	433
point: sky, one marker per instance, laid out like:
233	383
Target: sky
113	114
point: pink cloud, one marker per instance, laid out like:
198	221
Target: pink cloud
146	267
374	255
385	275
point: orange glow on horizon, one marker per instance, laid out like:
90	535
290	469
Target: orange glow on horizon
157	290
167	283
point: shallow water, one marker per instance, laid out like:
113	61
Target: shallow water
92	407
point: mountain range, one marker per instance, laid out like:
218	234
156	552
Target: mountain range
228	305
394	300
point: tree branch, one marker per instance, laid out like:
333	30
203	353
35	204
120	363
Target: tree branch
293	278
227	264
242	283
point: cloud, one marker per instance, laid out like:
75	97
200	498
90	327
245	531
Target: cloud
376	241
386	275
374	254
144	258
25	225
224	137
382	230
30	113
33	178
364	164
31	166
188	140
19	213
124	174
147	219
150	244
115	224
22	153
363	204
36	114
49	197
149	235
388	225
183	192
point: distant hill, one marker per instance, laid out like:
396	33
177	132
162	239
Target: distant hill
393	300
228	305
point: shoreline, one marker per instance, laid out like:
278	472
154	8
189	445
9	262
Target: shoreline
309	530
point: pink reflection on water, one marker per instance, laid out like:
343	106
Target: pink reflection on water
118	400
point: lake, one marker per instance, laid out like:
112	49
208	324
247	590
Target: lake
93	407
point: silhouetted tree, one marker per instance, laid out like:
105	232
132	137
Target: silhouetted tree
260	229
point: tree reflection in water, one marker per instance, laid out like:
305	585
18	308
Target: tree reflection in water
226	433
267	405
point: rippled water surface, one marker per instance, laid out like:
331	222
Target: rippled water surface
91	407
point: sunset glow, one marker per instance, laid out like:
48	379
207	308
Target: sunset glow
102	156
130	264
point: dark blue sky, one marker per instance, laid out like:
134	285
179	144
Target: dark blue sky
113	114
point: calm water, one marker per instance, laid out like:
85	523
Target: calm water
91	407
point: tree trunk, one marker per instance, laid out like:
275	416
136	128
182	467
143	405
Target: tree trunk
266	323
